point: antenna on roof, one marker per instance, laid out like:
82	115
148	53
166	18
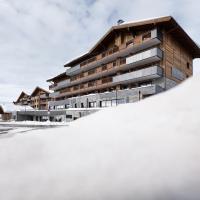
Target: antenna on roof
120	21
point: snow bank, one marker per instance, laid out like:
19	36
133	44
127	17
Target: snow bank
147	150
10	107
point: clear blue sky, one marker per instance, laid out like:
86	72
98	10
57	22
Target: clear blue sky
38	37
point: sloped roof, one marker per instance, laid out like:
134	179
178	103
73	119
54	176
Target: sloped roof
21	95
10	107
38	89
57	77
1	110
167	21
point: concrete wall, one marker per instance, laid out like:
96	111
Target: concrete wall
127	96
57	115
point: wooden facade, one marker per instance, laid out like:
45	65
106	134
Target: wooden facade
39	99
5	116
23	99
176	55
95	71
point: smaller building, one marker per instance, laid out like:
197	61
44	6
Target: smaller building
23	100
40	99
8	111
5	116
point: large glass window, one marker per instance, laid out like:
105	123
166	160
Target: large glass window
92	104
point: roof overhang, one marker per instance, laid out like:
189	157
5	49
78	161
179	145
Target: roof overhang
1	110
62	75
38	89
168	22
21	96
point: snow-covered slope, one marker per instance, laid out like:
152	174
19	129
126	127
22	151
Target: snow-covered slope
147	150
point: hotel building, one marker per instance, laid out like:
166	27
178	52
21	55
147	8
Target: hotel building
130	62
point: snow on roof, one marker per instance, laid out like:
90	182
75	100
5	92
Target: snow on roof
10	107
78	56
142	20
147	150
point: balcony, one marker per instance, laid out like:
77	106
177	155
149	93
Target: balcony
140	75
143	58
145	90
73	70
43	96
54	94
124	50
99	84
136	76
139	59
60	85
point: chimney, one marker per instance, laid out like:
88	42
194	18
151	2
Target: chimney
120	21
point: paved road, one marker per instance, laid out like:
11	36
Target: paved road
4	130
21	128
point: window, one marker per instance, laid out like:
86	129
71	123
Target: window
67	105
122	38
121	101
104	68
130	42
92	71
103	104
82	105
114	102
188	65
76	87
103	54
81	75
146	36
100	104
106	80
92	104
60	107
106	103
122	61
92	83
114	63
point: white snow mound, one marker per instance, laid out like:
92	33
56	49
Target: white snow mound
143	151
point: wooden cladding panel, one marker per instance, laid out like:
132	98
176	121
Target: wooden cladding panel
176	56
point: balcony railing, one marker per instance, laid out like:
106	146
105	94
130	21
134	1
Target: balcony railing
99	84
53	94
145	90
140	75
43	96
140	59
60	85
122	51
146	57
